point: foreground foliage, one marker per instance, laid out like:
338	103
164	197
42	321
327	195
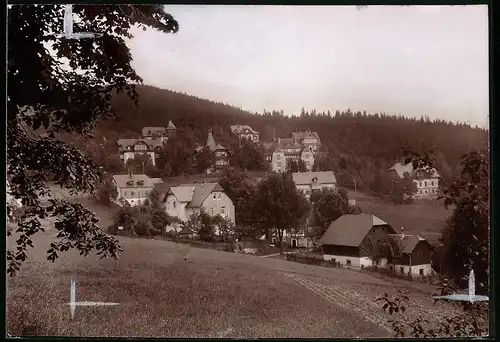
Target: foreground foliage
44	94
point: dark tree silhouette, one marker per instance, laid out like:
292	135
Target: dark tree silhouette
41	93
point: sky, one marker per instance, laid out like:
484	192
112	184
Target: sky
409	60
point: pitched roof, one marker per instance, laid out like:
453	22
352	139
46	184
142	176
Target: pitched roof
147	131
182	193
237	129
171	125
306	178
201	192
401	169
194	194
350	230
219	147
210	141
303	135
153	143
122	180
408	242
287	141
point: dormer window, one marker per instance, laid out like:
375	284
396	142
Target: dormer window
130	183
141	182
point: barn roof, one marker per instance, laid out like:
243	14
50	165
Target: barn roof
350	230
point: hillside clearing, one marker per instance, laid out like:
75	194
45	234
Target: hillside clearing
422	217
212	294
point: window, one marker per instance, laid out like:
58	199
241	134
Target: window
223	210
425	183
348	262
146	192
432	183
125	193
419	183
174	204
421	271
132	193
140	147
212	211
402	270
426	191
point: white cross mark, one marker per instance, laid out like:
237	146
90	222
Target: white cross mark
73	303
68	27
470	297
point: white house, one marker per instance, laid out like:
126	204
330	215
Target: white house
288	149
308	182
245	132
135	189
130	148
427	182
184	200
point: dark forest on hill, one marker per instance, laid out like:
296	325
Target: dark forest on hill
359	145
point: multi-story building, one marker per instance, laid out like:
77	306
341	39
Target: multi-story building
133	188
289	149
427	181
221	154
160	133
130	148
184	200
245	132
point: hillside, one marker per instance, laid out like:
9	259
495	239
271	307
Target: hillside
211	294
362	145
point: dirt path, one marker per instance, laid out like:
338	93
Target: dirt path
361	298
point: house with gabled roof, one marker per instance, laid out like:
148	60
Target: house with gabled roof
308	182
245	132
288	149
160	133
427	181
308	138
346	240
184	200
133	188
130	148
221	154
415	257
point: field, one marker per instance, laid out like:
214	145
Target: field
170	290
423	217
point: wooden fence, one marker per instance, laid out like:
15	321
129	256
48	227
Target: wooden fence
318	261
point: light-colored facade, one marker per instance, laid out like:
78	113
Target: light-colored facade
245	132
291	151
185	200
307	182
130	148
133	188
427	182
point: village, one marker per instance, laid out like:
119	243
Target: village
346	240
196	171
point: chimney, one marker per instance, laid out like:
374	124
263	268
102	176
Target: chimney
130	173
402	233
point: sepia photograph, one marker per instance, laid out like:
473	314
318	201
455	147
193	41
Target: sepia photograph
247	171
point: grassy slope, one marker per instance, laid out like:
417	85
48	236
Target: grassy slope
212	293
